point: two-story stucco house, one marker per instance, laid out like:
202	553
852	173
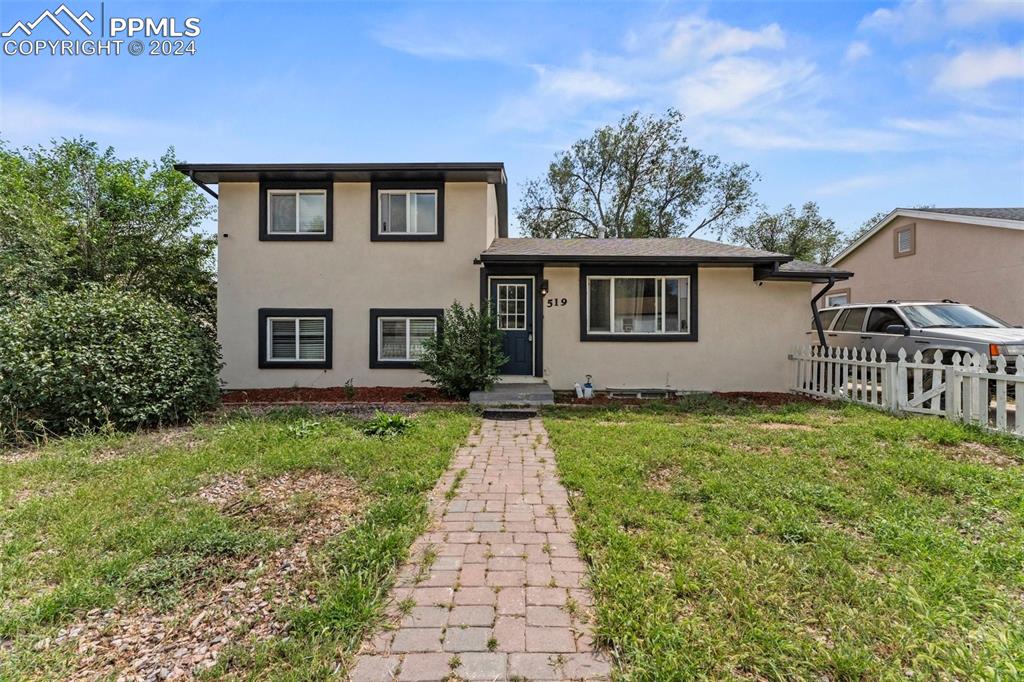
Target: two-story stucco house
332	272
971	255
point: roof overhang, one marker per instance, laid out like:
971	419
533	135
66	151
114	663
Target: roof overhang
770	274
216	173
921	214
562	259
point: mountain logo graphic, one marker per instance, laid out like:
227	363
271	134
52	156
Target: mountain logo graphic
27	28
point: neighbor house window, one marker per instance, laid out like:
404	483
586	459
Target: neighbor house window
407	212
638	305
905	241
297	211
397	335
401	338
295	337
838	298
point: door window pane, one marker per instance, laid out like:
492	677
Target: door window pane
880	318
511	307
637	305
282	212
854	320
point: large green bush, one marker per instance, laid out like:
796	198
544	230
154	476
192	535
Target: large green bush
102	356
466	356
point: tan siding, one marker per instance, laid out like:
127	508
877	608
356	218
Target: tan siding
983	266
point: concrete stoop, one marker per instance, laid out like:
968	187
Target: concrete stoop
514	396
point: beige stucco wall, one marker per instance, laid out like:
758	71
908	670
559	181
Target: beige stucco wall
745	332
350	274
983	266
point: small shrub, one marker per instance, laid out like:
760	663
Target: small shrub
384	425
350	389
101	356
467	355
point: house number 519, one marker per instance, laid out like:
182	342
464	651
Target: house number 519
557	302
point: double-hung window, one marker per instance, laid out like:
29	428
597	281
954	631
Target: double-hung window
407	211
295	338
638	305
397	335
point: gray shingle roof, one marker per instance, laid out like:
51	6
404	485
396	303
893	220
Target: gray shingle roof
803	266
673	248
994	213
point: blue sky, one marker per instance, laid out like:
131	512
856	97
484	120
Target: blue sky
858	106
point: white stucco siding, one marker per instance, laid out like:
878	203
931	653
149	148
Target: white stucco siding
745	333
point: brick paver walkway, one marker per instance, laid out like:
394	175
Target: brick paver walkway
495	589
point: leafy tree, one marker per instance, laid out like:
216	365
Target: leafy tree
806	235
638	178
466	355
71	214
100	355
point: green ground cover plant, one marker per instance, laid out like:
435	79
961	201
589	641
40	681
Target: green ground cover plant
162	525
807	541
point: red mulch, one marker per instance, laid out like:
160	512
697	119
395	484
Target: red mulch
337	394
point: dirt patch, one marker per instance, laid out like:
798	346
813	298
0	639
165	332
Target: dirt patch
765	399
979	453
779	426
243	607
661	478
336	394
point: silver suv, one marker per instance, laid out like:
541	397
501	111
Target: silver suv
922	326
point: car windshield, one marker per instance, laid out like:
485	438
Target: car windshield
925	316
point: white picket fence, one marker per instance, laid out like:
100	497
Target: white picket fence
959	388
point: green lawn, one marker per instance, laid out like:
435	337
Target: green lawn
164	525
802	542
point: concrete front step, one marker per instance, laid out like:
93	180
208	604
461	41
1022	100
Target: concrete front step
514	395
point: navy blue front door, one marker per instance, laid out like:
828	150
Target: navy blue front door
513	307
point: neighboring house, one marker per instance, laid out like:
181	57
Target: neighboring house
331	272
970	255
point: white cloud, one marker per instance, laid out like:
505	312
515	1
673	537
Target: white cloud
909	20
918	19
582	83
978	68
981	11
732	84
855	184
33	119
856	51
704	38
448	40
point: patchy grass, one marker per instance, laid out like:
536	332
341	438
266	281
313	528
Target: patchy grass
280	534
798	542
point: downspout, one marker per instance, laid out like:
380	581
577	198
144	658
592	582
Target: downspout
203	186
814	311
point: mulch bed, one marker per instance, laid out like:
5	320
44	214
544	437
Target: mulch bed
761	399
336	394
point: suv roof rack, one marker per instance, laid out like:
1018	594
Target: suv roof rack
892	300
949	300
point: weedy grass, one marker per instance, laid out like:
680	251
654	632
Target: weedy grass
115	519
799	542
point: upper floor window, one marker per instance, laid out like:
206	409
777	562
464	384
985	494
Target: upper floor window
297	211
408	212
905	241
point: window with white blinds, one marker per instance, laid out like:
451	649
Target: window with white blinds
297	338
401	338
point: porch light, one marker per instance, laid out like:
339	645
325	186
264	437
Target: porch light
543	287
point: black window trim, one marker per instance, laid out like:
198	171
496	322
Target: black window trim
326	313
377	236
637	271
267	236
377	313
